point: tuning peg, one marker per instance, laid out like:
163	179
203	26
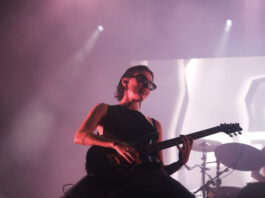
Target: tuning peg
240	132
230	135
235	134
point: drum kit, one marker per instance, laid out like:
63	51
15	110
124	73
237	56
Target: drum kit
235	156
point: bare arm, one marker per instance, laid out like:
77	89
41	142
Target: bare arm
85	135
257	175
184	152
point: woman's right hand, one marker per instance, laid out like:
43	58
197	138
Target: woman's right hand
129	153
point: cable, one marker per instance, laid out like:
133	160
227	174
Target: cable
65	186
228	174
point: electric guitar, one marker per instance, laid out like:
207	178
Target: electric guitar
107	163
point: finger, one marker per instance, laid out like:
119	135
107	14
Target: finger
191	140
130	155
117	160
135	156
180	146
135	152
188	138
185	142
127	158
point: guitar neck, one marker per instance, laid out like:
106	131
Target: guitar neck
173	142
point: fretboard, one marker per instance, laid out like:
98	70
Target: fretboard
173	142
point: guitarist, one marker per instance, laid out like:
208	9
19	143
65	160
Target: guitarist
119	124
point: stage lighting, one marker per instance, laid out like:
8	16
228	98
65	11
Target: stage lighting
228	25
100	28
228	22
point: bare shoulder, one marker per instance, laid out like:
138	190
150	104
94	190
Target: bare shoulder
159	129
100	108
94	117
152	120
158	124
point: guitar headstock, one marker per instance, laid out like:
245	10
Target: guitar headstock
231	129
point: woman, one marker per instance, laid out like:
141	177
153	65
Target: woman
119	124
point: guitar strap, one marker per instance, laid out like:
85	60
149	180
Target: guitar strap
155	159
154	124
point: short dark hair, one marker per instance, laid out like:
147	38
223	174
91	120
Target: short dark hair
128	73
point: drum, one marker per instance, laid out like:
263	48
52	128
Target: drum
224	192
255	190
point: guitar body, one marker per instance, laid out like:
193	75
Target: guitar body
106	163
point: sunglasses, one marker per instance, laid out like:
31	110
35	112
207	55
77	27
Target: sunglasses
142	79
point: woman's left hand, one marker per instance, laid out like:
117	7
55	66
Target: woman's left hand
184	151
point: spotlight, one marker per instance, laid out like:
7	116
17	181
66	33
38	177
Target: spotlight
100	28
228	25
228	22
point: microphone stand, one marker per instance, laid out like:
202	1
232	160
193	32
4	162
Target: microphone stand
203	170
205	186
218	180
214	181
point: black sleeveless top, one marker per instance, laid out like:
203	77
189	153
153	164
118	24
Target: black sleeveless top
125	124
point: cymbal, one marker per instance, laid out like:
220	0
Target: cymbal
240	156
203	145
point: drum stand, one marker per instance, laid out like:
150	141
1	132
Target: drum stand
205	186
216	181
